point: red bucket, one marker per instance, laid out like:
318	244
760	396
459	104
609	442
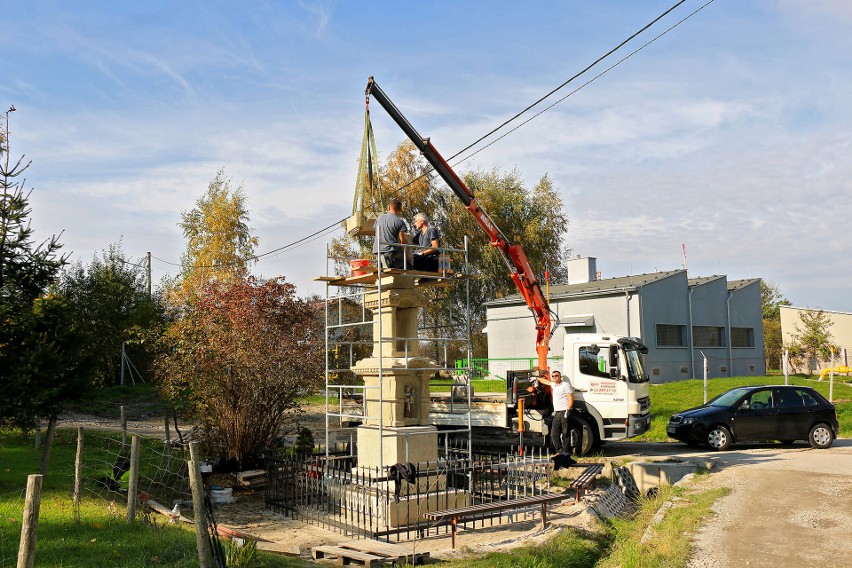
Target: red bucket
356	266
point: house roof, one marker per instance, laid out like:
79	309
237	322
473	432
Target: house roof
740	284
700	280
595	288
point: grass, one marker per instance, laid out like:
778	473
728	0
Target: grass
619	542
670	398
670	545
568	548
101	538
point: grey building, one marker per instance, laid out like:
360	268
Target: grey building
680	319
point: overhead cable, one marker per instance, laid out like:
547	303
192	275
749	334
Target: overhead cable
336	224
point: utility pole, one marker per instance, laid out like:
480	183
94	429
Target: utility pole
149	274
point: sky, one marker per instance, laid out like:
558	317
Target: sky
729	135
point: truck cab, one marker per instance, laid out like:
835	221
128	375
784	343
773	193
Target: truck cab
611	388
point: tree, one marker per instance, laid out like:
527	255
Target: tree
771	301
772	342
534	218
236	351
110	302
240	355
814	336
219	241
42	360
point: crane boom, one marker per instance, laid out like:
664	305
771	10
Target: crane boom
513	254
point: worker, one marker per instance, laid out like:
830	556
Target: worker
563	403
390	232
426	258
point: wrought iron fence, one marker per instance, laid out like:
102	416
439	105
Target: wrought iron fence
334	492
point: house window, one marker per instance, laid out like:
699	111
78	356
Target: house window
742	337
671	335
708	336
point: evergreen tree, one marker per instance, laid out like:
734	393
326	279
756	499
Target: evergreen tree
43	361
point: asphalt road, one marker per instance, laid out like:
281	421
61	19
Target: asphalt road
789	506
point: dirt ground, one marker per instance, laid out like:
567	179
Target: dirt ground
247	514
789	506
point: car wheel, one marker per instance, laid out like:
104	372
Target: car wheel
821	436
719	438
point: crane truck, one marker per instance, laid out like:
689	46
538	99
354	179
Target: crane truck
611	388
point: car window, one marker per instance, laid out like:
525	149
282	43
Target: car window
727	398
758	400
806	397
790	398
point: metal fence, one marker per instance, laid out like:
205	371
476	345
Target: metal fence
334	492
495	368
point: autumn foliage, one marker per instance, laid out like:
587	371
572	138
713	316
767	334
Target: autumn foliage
239	355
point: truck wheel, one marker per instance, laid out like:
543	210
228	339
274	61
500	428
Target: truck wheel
582	436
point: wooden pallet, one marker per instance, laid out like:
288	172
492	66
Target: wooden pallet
369	553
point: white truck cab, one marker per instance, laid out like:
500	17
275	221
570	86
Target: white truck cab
611	388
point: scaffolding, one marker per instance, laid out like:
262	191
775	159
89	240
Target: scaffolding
352	330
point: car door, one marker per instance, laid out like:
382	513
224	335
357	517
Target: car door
794	420
756	418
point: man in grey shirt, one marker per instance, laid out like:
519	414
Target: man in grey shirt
390	232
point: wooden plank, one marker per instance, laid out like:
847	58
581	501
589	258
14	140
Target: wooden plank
278	548
394	552
345	555
386	548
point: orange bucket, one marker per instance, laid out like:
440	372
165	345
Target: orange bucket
356	265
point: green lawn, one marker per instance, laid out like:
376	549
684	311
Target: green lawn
670	398
102	538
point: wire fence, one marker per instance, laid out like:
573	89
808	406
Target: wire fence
163	472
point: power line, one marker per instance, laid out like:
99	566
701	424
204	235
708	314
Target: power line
595	62
593	79
315	235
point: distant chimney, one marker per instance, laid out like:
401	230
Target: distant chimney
582	270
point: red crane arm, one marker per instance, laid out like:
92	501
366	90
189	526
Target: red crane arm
516	260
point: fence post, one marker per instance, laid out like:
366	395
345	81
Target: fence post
78	475
168	430
786	364
199	509
123	428
37	437
29	528
48	444
133	482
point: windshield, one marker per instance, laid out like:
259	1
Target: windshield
728	398
635	371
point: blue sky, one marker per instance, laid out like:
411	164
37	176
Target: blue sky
730	134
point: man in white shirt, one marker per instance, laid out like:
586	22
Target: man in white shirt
563	402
